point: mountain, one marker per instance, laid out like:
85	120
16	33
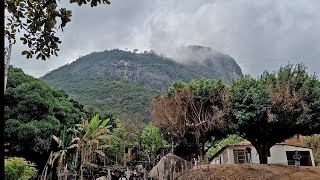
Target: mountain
122	82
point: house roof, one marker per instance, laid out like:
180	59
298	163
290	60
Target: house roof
246	143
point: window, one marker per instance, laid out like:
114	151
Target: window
239	156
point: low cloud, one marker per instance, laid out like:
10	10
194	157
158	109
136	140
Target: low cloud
259	35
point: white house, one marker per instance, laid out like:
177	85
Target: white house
279	154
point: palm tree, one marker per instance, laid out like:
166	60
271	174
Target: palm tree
65	143
89	139
92	139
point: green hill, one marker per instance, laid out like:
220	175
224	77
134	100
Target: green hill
121	82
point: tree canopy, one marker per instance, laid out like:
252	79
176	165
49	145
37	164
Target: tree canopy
37	22
275	106
34	111
193	112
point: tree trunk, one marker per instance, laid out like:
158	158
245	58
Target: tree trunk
263	150
200	153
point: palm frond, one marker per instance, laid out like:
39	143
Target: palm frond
73	146
105	122
94	122
101	153
75	139
55	156
104	137
88	164
57	140
105	146
101	131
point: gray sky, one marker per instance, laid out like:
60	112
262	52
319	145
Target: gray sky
260	35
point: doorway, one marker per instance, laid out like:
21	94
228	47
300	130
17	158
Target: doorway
305	158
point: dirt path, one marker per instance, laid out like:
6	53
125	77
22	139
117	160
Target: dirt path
251	172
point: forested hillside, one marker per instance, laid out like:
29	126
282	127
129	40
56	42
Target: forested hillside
121	82
33	112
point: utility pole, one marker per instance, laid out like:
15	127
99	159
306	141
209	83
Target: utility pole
6	65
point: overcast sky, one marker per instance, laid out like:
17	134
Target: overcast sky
259	34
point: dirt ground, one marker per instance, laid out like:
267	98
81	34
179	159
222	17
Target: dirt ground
251	172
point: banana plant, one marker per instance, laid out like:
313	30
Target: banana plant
92	138
65	143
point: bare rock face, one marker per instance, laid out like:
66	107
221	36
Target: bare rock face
130	78
213	61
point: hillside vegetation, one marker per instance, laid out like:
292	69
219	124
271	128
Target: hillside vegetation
33	112
121	82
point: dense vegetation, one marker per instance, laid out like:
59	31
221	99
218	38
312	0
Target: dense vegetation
33	112
193	112
265	111
312	142
19	168
275	106
121	82
196	118
215	146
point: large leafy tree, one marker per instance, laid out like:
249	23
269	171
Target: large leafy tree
36	23
275	107
126	134
152	140
193	113
33	112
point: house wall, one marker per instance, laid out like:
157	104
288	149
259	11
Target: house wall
279	156
254	154
277	152
224	158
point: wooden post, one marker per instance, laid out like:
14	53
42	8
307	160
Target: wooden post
171	171
158	173
81	172
109	174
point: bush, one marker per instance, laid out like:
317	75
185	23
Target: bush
19	168
312	142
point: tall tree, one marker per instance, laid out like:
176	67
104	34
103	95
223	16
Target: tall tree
152	140
36	22
126	134
193	112
34	111
275	107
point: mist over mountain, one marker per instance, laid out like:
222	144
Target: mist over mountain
121	82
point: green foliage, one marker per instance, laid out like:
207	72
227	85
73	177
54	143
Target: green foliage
65	144
18	168
38	21
275	107
152	140
33	112
312	142
231	139
97	80
127	133
193	112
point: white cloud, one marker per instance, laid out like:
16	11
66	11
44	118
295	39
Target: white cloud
260	35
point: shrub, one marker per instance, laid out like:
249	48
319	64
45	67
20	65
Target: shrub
19	168
313	142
